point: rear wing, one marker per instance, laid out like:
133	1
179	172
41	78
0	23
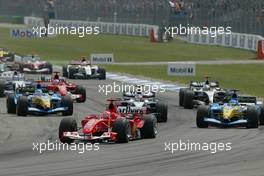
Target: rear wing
198	84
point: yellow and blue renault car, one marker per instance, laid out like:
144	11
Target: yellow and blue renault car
238	111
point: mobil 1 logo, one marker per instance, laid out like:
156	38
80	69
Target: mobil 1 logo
181	69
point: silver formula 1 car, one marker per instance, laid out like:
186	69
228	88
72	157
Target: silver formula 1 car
82	69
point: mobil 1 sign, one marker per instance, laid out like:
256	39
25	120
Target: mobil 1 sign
102	58
182	69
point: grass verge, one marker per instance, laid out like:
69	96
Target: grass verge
124	48
247	78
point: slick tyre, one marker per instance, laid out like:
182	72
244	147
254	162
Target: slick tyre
252	117
121	127
188	99
202	112
67	125
2	89
71	73
162	111
64	72
22	106
181	96
261	115
82	91
10	104
102	73
67	102
49	66
149	129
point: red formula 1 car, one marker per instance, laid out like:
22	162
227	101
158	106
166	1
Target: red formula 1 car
109	126
59	84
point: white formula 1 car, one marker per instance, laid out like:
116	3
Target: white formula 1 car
83	70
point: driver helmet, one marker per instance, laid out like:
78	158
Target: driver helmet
38	91
206	87
233	102
38	86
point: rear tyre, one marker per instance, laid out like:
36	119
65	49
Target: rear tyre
102	73
22	106
68	103
202	113
188	99
67	125
81	90
10	104
181	96
121	127
49	66
64	72
162	110
252	117
71	73
261	116
149	129
2	89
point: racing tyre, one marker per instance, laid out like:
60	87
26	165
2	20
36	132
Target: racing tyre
149	129
252	117
202	112
67	125
64	72
181	96
261	116
71	73
162	110
102	73
22	106
49	66
10	104
81	90
2	89
188	99
68	103
121	127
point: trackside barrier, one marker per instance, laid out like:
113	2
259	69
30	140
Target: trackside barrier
143	30
260	53
235	40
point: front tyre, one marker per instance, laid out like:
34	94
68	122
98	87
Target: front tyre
162	110
81	91
149	129
202	113
67	102
121	127
252	117
10	104
188	99
102	73
22	106
67	125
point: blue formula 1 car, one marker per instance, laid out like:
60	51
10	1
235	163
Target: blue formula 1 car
239	111
35	100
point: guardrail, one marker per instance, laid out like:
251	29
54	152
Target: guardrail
234	40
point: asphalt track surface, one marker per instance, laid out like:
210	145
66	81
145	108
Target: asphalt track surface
141	157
